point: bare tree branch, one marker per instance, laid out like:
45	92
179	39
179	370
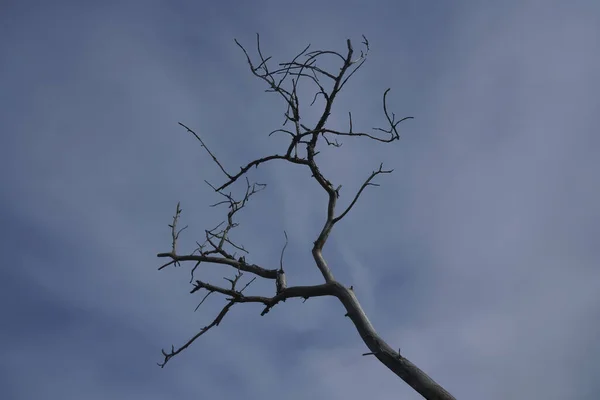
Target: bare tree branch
220	248
364	185
280	281
237	264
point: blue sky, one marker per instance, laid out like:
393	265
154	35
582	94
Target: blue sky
478	256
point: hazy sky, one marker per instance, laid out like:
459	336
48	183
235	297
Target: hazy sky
478	257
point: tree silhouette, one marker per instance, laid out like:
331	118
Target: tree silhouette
302	150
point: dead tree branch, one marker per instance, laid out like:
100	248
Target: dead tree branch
220	248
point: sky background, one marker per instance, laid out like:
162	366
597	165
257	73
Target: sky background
478	256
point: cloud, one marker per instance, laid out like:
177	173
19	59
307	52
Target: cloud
476	256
